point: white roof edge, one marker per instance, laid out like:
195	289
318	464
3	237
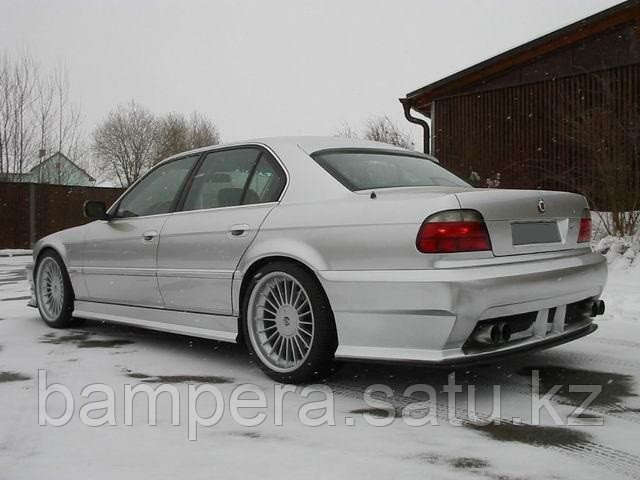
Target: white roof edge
308	144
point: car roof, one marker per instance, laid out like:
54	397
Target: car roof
314	144
307	180
308	144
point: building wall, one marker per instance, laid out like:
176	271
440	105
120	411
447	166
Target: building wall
616	47
544	134
58	170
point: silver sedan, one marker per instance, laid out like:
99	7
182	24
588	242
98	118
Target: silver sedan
315	249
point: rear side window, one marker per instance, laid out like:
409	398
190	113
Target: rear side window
364	170
239	176
267	182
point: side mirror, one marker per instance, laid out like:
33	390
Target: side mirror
95	210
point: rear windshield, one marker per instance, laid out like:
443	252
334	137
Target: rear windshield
364	170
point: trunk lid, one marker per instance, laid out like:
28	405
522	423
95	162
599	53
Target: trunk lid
527	221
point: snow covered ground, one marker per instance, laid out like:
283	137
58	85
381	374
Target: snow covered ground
11	252
116	356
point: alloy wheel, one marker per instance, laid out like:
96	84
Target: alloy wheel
280	321
50	288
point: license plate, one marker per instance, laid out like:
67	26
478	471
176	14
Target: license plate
528	233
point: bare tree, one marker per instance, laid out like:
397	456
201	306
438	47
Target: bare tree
126	142
173	133
58	121
379	129
17	97
382	129
45	110
68	117
24	81
202	131
346	131
6	95
177	134
36	113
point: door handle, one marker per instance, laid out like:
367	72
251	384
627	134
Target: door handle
239	230
149	235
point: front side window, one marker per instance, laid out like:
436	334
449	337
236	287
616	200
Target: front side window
364	170
234	177
156	192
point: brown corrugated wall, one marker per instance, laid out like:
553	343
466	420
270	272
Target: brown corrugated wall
545	134
30	211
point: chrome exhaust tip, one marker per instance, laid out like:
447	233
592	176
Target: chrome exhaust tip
505	332
488	334
597	308
492	334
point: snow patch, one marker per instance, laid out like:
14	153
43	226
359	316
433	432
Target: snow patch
14	252
621	252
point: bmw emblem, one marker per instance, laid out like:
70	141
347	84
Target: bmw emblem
541	205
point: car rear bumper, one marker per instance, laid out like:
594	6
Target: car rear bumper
429	315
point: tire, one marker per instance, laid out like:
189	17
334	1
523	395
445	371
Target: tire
54	292
288	324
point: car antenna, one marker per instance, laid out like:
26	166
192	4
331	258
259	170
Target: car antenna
373	195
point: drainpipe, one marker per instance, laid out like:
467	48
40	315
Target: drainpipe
406	105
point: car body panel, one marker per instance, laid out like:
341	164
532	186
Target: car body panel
198	254
434	311
502	208
214	327
389	300
69	244
120	263
337	229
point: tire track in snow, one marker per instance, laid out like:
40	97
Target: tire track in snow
612	410
596	358
597	454
614	341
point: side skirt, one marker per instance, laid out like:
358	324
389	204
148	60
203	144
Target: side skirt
215	327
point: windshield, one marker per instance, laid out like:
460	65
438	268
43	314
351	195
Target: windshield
364	170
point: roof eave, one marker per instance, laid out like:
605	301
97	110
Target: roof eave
567	35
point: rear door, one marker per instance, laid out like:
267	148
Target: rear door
120	254
230	195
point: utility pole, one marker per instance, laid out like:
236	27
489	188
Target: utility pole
41	153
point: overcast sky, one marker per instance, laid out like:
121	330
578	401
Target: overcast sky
263	68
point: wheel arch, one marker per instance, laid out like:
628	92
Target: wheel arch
50	247
258	263
44	249
50	243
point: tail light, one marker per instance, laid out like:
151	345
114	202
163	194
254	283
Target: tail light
453	231
585	227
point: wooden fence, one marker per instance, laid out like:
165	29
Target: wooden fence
30	211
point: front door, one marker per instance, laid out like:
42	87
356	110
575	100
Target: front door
231	194
119	263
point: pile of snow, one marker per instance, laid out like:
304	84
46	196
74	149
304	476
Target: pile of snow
621	252
621	291
623	259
